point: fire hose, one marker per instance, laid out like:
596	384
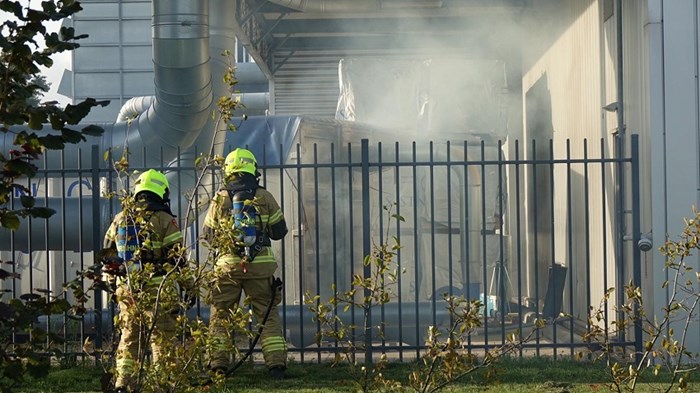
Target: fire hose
276	283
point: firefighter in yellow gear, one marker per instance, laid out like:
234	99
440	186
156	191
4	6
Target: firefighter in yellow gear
140	238
247	212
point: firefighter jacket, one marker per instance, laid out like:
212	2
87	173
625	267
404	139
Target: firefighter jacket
156	228
270	224
143	237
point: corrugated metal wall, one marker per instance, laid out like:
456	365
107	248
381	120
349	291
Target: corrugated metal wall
570	62
579	67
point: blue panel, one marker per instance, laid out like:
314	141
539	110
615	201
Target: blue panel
275	133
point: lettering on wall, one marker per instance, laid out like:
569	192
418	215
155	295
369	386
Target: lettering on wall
72	189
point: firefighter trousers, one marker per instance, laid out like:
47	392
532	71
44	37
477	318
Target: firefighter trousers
135	327
224	297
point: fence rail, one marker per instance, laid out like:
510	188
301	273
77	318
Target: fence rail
531	230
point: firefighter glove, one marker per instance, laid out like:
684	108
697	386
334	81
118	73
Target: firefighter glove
114	266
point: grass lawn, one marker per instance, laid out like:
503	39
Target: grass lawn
512	376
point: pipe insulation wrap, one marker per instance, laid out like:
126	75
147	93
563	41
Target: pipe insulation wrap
354	5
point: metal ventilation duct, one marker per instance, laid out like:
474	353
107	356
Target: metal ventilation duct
354	5
178	117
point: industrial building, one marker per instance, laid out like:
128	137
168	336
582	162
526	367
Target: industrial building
558	214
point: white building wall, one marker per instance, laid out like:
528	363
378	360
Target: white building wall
660	103
671	32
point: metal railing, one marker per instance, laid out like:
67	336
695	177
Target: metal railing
529	230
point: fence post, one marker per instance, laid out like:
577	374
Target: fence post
96	238
366	245
636	253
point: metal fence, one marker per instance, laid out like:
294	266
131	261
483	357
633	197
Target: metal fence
531	230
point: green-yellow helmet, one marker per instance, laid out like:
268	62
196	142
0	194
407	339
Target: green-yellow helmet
153	181
240	160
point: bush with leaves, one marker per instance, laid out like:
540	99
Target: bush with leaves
664	348
447	357
365	294
26	45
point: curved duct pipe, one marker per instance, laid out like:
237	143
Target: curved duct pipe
178	117
212	139
354	5
134	107
246	73
183	86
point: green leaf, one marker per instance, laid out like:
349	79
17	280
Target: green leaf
72	136
18	167
27	201
53	142
56	122
12	7
60	306
93	130
9	220
42	212
37	120
30	297
6	311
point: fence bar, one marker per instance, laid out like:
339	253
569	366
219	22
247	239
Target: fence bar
570	242
366	245
416	247
334	222
551	278
317	260
636	253
464	229
351	222
300	231
64	270
399	261
518	229
587	204
448	181
82	242
382	240
96	237
536	241
503	276
484	271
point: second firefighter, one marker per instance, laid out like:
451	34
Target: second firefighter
241	221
